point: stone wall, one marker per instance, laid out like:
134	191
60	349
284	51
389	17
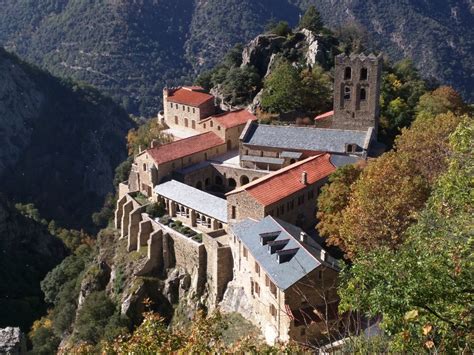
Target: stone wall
242	205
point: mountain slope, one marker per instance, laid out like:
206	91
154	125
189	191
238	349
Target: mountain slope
59	144
28	252
133	49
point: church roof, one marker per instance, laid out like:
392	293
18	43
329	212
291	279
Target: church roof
234	118
184	147
304	138
282	183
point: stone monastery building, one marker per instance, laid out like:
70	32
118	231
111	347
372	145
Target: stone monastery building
239	202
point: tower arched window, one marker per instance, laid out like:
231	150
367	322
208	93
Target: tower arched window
347	93
347	73
363	74
363	94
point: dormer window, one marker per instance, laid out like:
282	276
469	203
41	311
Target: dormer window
363	74
351	148
347	73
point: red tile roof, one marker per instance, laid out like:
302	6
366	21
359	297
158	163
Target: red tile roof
192	96
324	115
184	147
234	118
287	181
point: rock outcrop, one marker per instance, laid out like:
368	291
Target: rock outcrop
12	341
260	50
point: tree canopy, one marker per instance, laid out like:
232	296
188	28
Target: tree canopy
311	20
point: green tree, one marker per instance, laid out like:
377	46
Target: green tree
240	85
423	290
311	20
93	317
442	100
281	28
316	90
144	135
282	89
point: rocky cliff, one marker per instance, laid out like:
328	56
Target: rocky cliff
59	142
27	252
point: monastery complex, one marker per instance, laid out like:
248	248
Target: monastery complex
236	202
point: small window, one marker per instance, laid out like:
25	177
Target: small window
257	288
273	288
205	156
273	311
211	123
184	108
144	167
171	104
363	94
320	275
188	108
347	73
175	119
234	212
347	93
194	110
218	128
246	253
204	125
257	268
363	74
267	281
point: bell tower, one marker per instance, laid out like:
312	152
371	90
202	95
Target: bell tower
357	91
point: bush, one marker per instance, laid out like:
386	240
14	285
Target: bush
281	28
155	210
93	317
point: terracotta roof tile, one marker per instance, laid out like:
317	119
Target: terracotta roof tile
184	147
191	96
234	118
287	181
324	115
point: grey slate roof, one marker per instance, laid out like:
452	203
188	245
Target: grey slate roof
198	200
268	160
282	274
341	160
295	155
305	138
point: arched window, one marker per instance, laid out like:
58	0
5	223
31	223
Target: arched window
232	183
363	94
347	93
347	73
244	180
363	74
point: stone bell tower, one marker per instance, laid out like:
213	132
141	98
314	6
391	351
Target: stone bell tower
357	91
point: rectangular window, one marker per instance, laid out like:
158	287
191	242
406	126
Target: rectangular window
171	104
257	288
245	252
175	119
194	110
188	108
184	108
267	281
273	311
234	212
257	268
211	123
273	288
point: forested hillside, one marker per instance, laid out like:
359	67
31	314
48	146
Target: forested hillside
60	142
133	49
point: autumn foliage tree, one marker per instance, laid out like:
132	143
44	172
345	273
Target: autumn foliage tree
144	135
423	289
384	201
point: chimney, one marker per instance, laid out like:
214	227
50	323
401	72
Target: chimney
303	237
304	178
323	255
154	143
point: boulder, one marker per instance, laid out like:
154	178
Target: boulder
12	341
